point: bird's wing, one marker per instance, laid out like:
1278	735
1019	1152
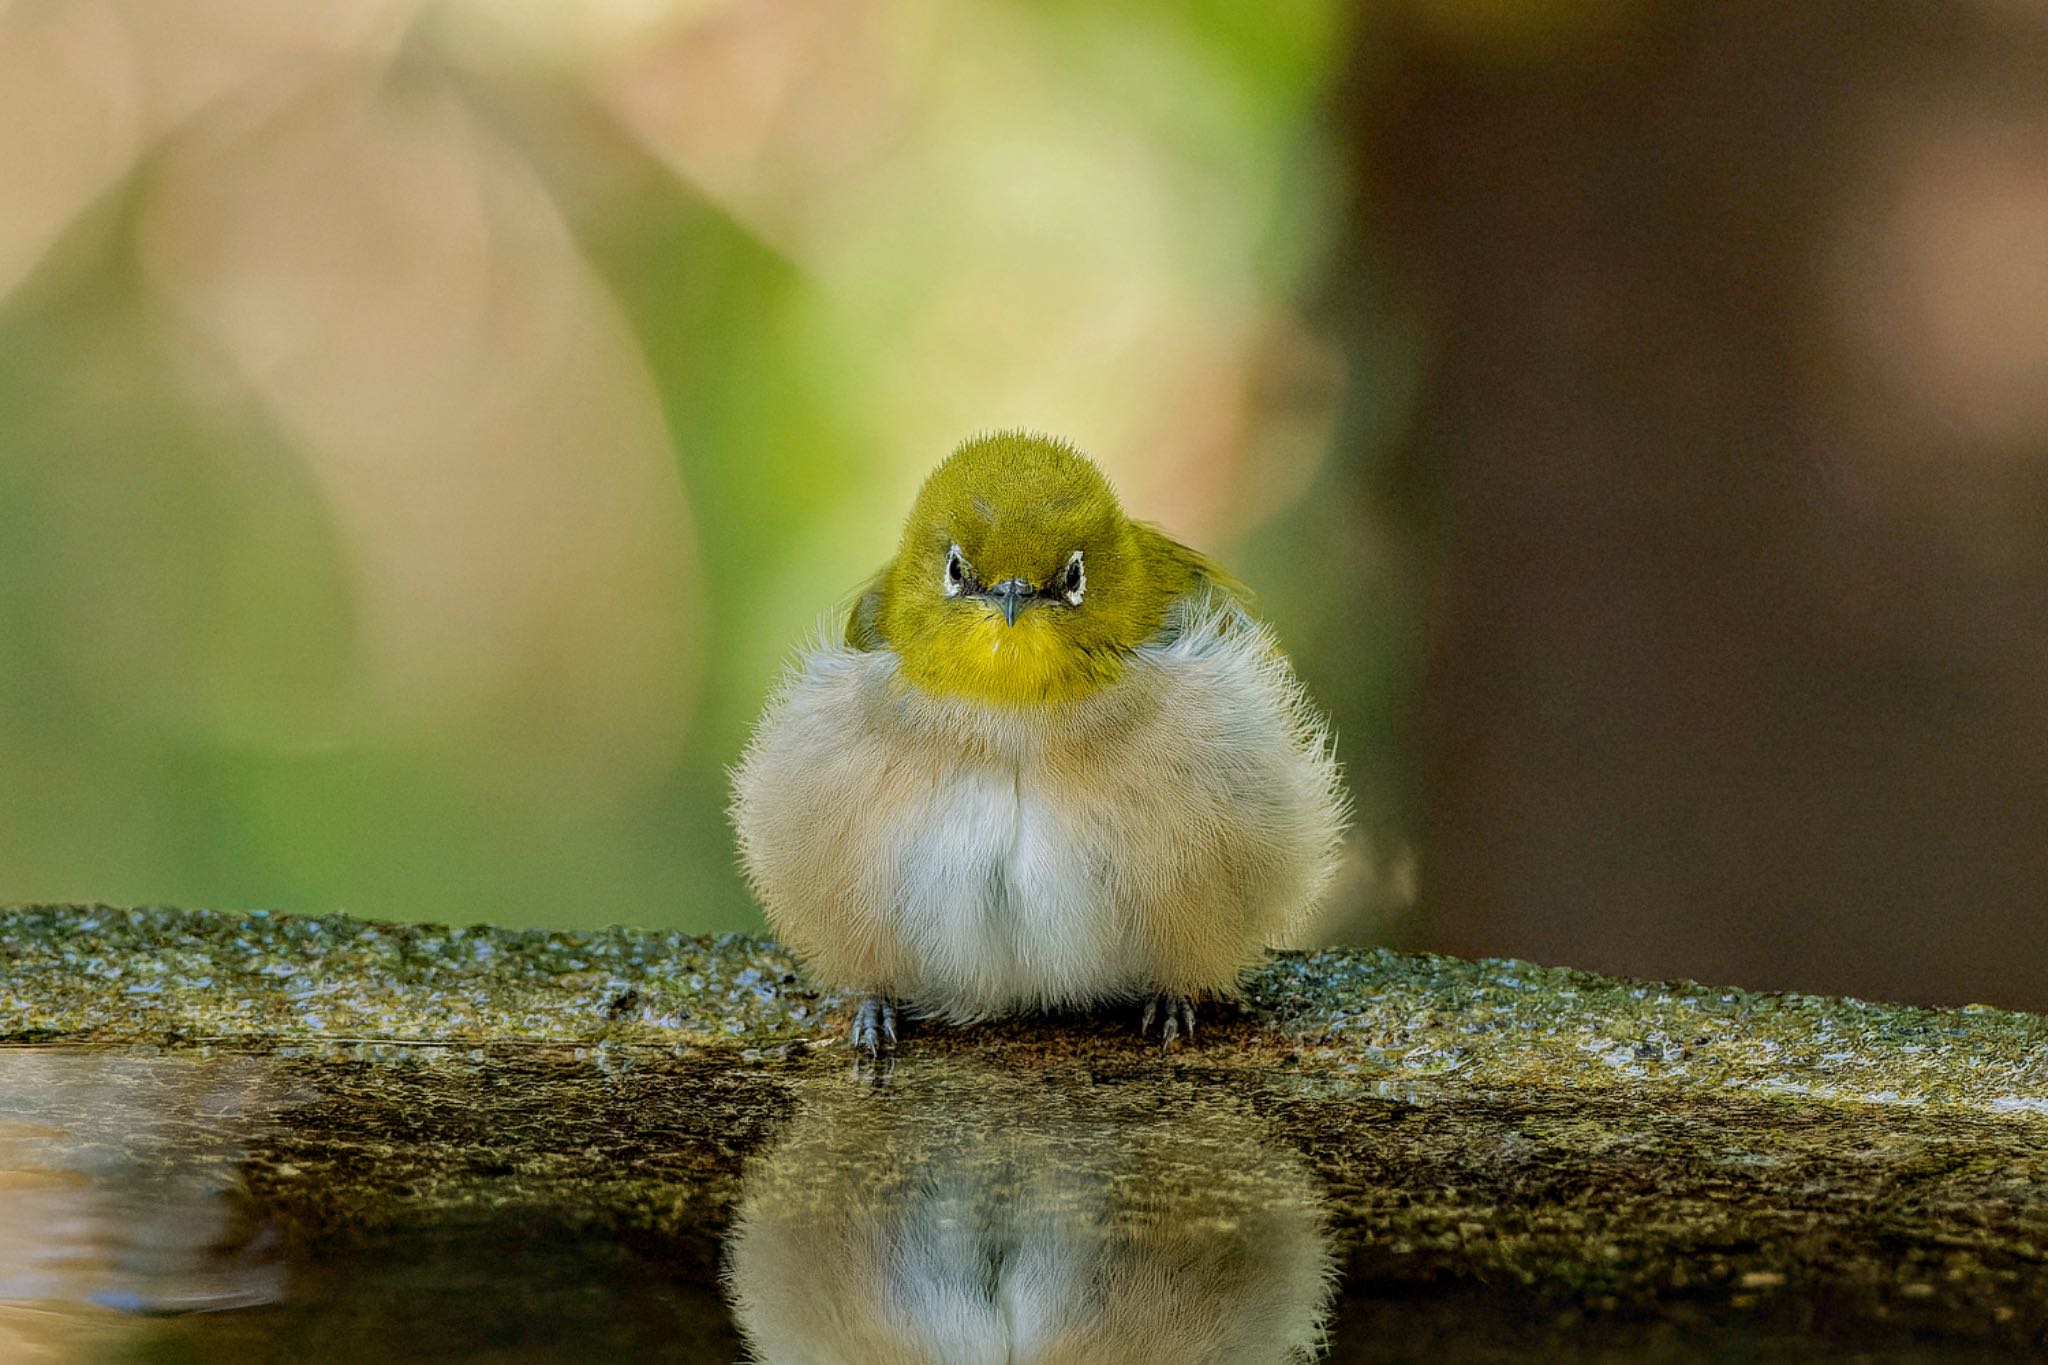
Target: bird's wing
864	621
1195	572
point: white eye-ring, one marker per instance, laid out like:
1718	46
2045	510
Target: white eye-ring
956	572
1073	580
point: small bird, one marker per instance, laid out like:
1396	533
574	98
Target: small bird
1051	762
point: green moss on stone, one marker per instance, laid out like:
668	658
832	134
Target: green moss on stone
93	973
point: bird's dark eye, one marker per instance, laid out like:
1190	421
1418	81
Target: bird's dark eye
1073	580
956	572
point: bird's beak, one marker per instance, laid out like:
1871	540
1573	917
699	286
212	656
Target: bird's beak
1013	595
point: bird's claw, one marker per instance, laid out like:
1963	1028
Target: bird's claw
874	1025
1175	1015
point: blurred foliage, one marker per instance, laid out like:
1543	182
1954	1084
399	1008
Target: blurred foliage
426	428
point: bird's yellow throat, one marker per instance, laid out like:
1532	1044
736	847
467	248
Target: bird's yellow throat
989	660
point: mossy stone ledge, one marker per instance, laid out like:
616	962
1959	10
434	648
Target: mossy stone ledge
1524	1158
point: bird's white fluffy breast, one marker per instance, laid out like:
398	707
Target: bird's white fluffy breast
976	859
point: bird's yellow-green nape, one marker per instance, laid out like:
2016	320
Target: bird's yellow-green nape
1019	579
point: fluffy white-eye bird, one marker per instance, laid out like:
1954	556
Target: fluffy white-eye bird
1051	762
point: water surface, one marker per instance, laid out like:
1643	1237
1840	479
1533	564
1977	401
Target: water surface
529	1204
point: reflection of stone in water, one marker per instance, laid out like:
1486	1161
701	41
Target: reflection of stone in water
954	1218
118	1176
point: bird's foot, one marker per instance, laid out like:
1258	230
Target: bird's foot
1175	1014
874	1025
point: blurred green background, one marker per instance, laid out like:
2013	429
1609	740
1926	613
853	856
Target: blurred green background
425	429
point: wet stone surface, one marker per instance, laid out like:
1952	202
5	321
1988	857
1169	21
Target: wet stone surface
358	1142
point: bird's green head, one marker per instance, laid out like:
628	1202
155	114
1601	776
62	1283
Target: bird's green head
1020	579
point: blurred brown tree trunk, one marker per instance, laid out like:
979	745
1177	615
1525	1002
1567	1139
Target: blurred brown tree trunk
1736	413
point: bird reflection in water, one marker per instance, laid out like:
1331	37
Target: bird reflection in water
961	1215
